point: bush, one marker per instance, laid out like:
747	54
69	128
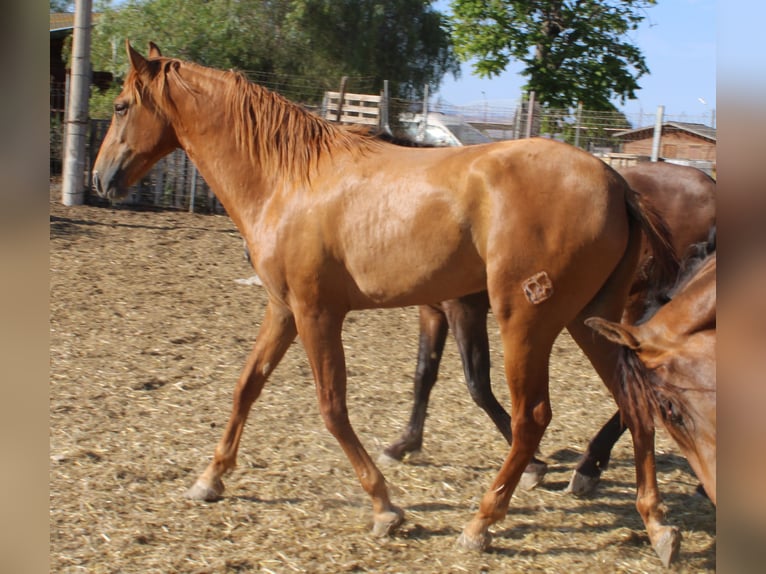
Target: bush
56	144
100	104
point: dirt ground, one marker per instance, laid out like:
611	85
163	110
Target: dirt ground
149	330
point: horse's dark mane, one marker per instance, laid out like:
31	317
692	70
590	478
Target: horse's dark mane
693	259
642	397
640	394
402	141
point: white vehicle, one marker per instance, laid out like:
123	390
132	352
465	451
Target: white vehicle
441	130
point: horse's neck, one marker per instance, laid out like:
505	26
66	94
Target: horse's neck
201	128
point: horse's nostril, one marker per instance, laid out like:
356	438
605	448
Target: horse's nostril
96	182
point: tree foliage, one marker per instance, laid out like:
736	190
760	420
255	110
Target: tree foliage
572	50
59	6
404	41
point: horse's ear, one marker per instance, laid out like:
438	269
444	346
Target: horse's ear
154	51
137	61
614	332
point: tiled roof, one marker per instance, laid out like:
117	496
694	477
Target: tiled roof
65	20
61	21
700	130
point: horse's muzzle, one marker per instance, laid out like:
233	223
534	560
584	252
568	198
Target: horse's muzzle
108	186
97	186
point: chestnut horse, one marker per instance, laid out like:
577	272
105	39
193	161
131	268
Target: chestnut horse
668	368
684	196
336	220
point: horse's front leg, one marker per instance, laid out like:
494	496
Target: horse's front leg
433	334
320	332
274	337
666	540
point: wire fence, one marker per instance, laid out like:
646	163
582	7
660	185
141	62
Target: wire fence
174	183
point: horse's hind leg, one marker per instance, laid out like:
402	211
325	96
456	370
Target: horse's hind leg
467	319
274	337
526	365
433	333
595	460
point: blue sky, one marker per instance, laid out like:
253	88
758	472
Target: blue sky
678	40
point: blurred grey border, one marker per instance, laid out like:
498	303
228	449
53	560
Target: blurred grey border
24	540
741	321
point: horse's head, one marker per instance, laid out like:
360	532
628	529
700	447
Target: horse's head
140	133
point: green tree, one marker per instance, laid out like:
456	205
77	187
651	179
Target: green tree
404	41
61	6
248	35
572	50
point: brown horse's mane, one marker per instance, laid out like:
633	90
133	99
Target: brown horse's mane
643	396
277	135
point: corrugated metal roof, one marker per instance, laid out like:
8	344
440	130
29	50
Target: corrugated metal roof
700	130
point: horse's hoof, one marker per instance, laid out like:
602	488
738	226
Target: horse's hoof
386	459
203	491
474	543
385	523
533	476
582	485
668	545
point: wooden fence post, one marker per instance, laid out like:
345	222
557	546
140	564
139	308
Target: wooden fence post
342	91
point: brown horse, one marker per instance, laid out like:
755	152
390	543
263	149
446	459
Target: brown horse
336	220
684	196
668	368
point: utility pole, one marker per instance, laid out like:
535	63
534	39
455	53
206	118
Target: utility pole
76	121
657	140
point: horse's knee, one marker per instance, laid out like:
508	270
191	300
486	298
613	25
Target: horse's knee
542	414
335	417
480	393
530	423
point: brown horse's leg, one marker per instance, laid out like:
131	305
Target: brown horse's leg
274	337
433	333
526	366
320	332
467	318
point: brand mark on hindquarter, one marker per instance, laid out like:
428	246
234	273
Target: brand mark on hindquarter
538	288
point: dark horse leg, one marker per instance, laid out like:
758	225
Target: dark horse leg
467	318
596	458
433	334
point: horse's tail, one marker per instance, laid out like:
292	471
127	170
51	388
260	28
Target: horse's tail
663	266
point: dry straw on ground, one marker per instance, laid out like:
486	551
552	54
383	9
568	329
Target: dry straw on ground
149	330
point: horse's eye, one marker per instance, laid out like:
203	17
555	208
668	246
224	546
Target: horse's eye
120	108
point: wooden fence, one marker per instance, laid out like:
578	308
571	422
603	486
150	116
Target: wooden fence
352	108
173	182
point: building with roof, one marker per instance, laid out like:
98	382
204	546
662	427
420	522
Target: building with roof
681	142
61	29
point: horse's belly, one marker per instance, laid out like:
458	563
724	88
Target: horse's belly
404	279
411	256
